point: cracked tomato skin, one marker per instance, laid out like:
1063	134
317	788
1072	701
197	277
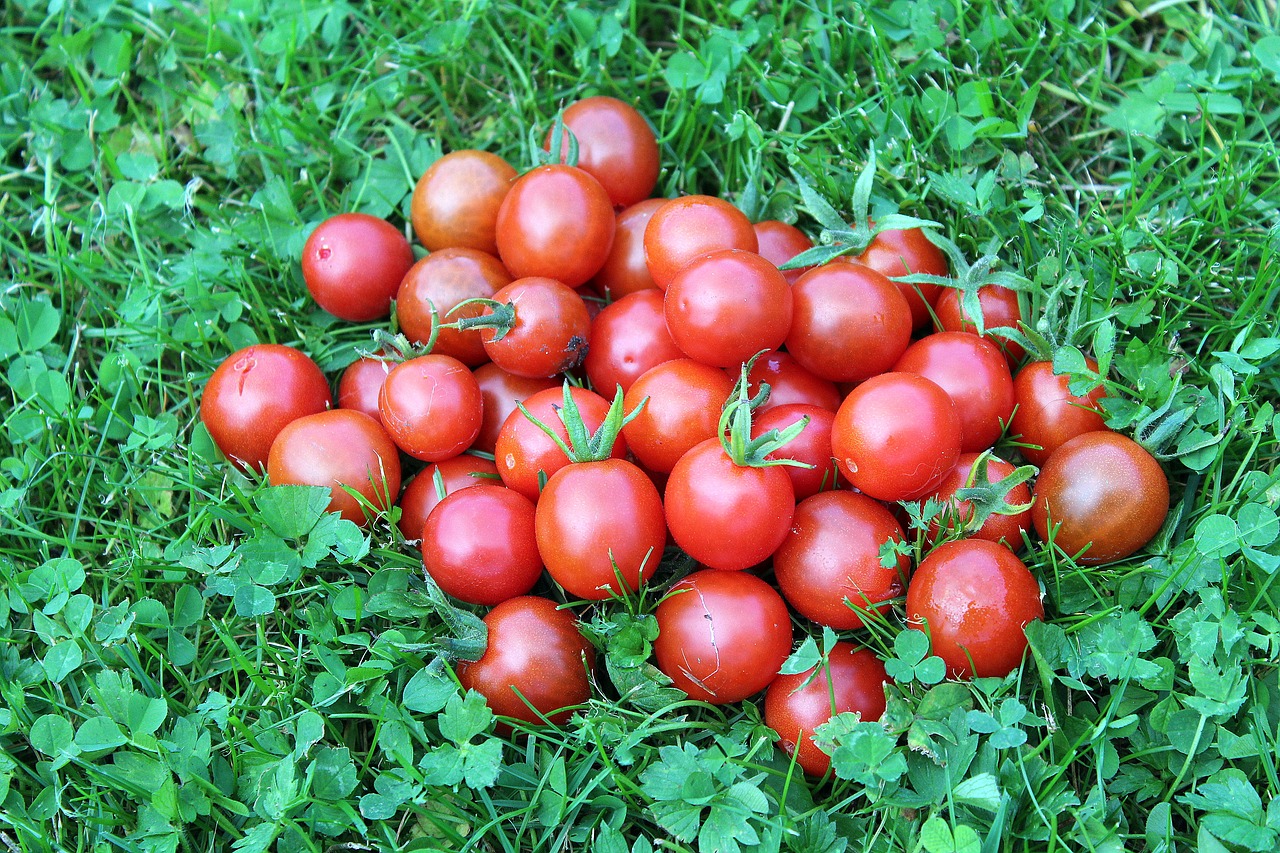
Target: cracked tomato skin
722	636
431	407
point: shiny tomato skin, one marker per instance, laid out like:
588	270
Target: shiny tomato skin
1006	529
595	516
832	553
535	649
999	308
522	450
625	271
896	436
724	515
1048	415
253	394
904	252
615	145
690	226
973	371
722	636
479	545
455	202
851	681
1102	496
779	243
789	382
812	446
361	383
684	399
557	222
501	391
974	598
419	497
443	279
353	263
431	407
551	333
627	338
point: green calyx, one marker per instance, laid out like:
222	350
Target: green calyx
585	446
501	317
735	427
987	498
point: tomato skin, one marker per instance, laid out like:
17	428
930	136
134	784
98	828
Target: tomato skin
522	450
999	308
557	222
1103	494
812	446
832	553
443	279
501	391
779	243
625	271
896	436
851	681
627	338
616	146
973	371
690	226
724	515
789	382
684	402
479	544
253	394
551	333
722	636
419	497
455	202
1048	414
976	598
536	649
1006	529
360	385
903	252
431	407
352	264
594	515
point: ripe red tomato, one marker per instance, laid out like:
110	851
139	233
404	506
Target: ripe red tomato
501	392
253	394
722	636
431	407
779	243
522	450
904	252
789	382
479	545
615	145
536	652
999	308
973	371
338	448
1048	414
443	279
832	555
726	306
896	436
352	264
851	681
625	271
974	598
455	203
627	338
419	497
557	222
551	331
1006	529
1101	496
812	446
691	226
361	383
684	402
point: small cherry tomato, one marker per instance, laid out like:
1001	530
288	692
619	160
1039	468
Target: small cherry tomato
1006	529
479	545
625	271
353	263
431	407
501	392
691	226
455	203
442	280
779	243
684	402
812	446
999	307
549	333
974	373
420	497
627	338
905	252
789	382
557	222
361	383
615	145
1048	415
523	450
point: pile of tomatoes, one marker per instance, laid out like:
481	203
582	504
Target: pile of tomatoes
597	378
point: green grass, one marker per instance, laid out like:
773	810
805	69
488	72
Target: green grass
160	170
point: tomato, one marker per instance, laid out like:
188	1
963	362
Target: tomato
615	145
455	203
779	243
684	402
972	370
724	515
352	264
851	680
974	598
722	636
830	559
726	306
1100	496
691	226
904	252
419	497
431	407
627	338
536	657
253	394
625	271
479	544
442	280
789	382
849	323
339	448
557	222
550	331
522	450
501	392
812	446
600	528
896	436
997	528
999	308
1048	415
361	383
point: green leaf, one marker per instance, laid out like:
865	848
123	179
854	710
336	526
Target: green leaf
291	511
54	736
99	734
430	689
1216	536
1267	54
465	717
443	765
333	774
252	601
61	660
482	764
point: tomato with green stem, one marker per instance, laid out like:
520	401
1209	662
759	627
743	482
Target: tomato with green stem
812	446
790	382
984	497
999	307
434	286
1048	415
535	327
615	145
907	251
779	243
685	398
524	453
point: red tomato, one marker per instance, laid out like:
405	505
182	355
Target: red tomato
972	370
339	448
627	338
479	545
352	264
812	446
523	450
1006	529
849	323
419	497
443	279
551	329
974	598
904	252
1048	414
726	306
501	391
1100	496
896	436
789	382
360	385
851	681
625	271
722	636
254	394
536	652
691	226
999	308
557	222
779	243
684	402
455	203
615	145
831	556
431	407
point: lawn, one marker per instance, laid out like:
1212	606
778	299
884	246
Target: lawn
192	661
